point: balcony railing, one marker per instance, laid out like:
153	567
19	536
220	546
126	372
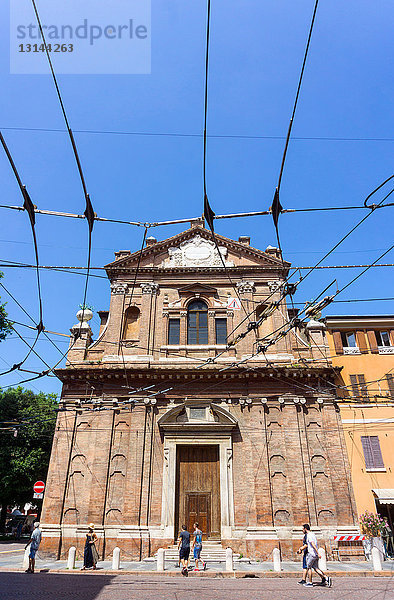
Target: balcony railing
386	349
351	350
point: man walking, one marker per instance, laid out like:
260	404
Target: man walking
197	547
304	550
312	558
35	540
184	549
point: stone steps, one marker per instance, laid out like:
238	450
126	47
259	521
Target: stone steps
211	551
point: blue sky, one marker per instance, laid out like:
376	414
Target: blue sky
256	54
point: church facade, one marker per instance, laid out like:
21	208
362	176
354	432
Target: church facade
165	422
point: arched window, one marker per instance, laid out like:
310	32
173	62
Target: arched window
197	322
131	326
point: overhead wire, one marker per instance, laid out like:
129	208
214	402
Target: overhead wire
29	207
208	213
120	346
89	212
154	224
302	278
205	133
294	320
199	135
74	269
277	208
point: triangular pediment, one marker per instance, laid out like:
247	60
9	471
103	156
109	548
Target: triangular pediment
194	288
196	415
195	248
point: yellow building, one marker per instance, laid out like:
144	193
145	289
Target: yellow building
364	347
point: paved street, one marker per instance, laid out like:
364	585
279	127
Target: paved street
48	586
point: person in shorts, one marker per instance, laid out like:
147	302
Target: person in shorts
35	540
197	547
312	558
304	550
184	549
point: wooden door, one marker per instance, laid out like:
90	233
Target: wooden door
198	510
198	489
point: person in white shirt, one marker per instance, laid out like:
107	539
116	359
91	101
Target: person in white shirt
34	541
312	558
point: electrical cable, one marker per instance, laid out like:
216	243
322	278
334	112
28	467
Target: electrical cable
199	135
283	333
277	208
208	212
364	271
29	207
120	347
302	278
89	212
54	213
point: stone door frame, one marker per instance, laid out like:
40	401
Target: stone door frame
225	443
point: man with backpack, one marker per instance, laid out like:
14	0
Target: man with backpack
197	547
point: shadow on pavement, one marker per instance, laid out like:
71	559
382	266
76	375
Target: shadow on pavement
15	586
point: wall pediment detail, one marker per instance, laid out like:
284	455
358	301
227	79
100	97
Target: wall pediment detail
192	416
196	252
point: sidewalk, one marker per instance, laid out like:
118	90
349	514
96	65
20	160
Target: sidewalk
12	559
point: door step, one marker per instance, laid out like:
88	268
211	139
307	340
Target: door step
211	552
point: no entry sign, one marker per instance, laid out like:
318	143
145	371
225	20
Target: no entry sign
39	487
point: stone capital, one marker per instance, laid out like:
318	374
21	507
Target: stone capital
118	288
246	286
149	287
274	286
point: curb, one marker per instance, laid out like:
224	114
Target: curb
207	574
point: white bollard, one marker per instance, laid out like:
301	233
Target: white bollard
376	560
322	560
116	559
229	559
161	555
25	564
276	559
71	558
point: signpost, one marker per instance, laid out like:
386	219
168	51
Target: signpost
38	489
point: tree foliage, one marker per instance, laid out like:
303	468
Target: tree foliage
24	458
5	326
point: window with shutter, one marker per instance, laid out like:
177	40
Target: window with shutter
359	387
390	383
373	344
361	342
353	383
349	339
372	452
221	331
367	451
383	338
174	326
337	342
362	387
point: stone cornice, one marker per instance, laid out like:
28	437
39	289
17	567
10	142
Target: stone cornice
359	321
240	269
100	372
237	247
